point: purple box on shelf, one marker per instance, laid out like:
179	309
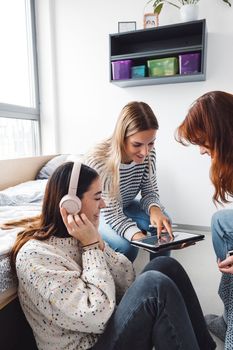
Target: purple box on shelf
121	69
189	63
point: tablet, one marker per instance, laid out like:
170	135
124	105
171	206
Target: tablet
152	243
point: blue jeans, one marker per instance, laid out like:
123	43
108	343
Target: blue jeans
122	245
222	232
159	309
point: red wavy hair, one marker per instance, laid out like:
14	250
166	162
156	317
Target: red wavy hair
209	123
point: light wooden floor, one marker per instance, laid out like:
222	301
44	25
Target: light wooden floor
200	264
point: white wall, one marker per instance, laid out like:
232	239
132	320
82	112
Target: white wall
79	106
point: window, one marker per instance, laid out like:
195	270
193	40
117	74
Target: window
19	100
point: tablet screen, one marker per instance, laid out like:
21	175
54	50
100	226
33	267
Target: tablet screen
165	240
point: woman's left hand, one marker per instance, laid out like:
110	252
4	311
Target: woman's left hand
183	245
160	221
226	265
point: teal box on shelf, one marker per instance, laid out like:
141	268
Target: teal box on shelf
138	71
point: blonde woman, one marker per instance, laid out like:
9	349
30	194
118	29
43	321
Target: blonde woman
126	163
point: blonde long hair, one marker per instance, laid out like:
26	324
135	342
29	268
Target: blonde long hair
134	117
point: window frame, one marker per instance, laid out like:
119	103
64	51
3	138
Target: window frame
23	112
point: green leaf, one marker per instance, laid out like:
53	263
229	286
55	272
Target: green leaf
158	9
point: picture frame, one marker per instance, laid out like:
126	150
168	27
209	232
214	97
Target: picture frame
126	26
150	20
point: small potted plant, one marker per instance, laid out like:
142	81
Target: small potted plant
179	4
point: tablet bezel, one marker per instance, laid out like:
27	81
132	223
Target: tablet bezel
193	237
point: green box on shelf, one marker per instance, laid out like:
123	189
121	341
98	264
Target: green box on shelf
138	71
163	66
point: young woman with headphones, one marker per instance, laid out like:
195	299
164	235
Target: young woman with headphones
77	293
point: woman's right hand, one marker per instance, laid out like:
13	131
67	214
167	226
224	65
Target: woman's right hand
79	227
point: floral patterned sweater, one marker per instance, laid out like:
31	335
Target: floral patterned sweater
68	294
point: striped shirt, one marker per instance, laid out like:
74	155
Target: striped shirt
134	179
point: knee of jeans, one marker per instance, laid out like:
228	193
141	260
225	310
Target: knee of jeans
153	282
165	264
163	261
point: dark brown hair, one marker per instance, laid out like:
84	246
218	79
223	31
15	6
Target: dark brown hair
50	222
209	123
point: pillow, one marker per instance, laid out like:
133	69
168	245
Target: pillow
55	162
24	193
50	166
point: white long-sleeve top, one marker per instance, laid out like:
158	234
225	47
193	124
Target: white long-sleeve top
67	294
134	179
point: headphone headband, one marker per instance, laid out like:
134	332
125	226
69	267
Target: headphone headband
70	201
74	178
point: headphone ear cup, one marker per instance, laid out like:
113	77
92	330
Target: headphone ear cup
72	204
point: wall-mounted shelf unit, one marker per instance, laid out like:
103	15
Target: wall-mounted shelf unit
164	41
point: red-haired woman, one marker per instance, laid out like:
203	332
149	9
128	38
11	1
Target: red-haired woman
209	125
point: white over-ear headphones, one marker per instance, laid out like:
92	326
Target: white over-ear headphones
70	201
